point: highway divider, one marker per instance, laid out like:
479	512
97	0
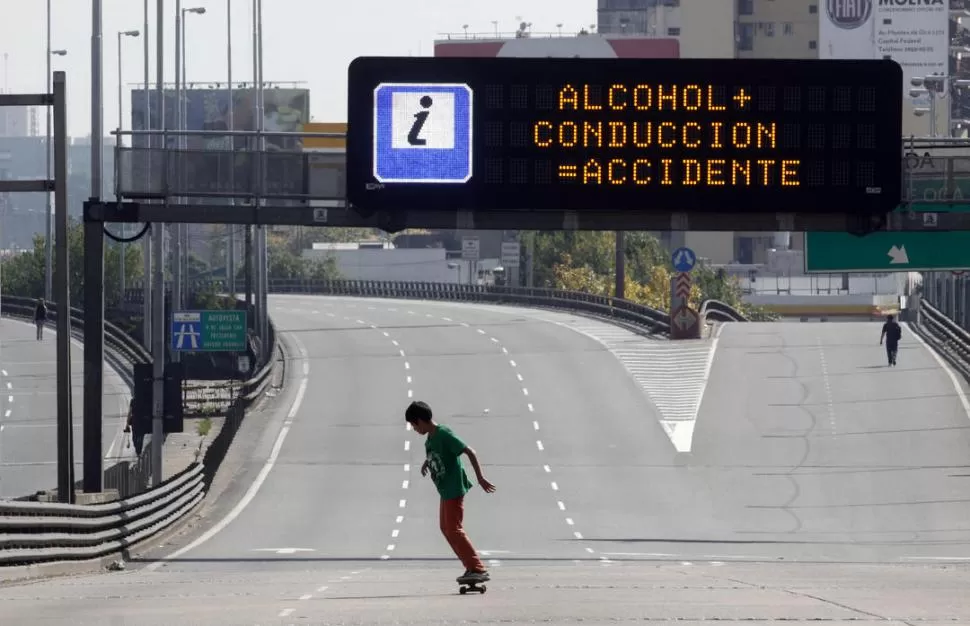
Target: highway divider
38	532
652	320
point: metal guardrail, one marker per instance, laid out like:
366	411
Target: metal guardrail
950	340
39	532
652	320
122	350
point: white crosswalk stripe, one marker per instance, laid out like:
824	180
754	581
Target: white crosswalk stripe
673	374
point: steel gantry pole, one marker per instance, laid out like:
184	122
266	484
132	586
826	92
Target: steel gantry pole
146	250
231	244
263	253
48	228
158	242
93	474
260	164
65	408
177	230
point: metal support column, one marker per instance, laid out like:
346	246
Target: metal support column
620	264
176	229
62	296
94	280
158	288
93	355
146	250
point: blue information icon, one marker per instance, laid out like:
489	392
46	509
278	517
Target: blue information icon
422	133
683	259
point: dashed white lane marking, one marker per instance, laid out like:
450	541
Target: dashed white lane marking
829	403
535	425
319	590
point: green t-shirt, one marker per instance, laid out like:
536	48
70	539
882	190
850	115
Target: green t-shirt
443	449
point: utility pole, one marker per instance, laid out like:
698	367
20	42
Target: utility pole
177	247
93	474
146	250
158	239
231	246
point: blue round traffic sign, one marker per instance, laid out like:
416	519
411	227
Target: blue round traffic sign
683	259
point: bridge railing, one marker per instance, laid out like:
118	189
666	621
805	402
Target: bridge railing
41	532
943	316
652	320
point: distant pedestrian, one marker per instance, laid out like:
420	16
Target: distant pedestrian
136	426
40	317
892	332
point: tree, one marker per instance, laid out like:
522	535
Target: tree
586	261
23	274
285	264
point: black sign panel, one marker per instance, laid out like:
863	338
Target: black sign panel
694	135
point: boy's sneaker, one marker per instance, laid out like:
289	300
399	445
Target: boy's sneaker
474	577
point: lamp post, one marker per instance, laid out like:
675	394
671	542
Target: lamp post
49	225
231	247
180	14
121	244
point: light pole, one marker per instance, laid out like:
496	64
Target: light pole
180	14
231	247
146	249
49	225
121	244
184	259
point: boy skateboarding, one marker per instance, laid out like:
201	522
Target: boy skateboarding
443	449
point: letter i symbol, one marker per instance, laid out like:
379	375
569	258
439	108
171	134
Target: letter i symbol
419	119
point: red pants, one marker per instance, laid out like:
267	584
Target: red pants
450	517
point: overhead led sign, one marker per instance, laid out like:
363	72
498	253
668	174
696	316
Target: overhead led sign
624	134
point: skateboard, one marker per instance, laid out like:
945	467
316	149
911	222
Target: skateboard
470	585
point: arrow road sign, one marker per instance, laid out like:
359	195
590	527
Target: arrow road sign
682	286
685	318
683	259
685	323
898	255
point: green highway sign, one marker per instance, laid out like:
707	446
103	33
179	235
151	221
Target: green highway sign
917	251
887	252
209	331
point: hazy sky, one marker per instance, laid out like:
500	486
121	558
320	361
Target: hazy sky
311	41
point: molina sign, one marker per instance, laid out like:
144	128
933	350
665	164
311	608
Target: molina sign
742	135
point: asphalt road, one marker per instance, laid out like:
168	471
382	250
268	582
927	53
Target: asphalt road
815	488
28	410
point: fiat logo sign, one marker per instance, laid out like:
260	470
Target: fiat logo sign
848	14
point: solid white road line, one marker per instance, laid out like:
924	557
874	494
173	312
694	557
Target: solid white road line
260	478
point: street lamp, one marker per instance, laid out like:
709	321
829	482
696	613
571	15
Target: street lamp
180	111
49	226
122	33
121	244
